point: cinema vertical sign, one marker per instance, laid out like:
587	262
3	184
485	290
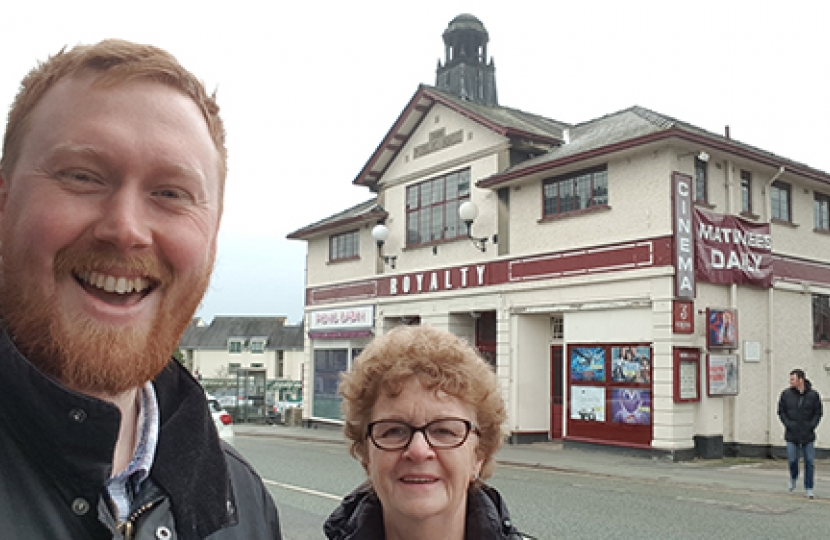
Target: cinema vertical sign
684	251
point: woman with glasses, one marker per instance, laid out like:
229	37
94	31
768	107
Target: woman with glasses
424	416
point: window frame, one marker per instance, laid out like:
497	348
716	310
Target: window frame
821	216
257	346
821	320
595	200
422	207
349	248
240	343
701	169
746	192
782	187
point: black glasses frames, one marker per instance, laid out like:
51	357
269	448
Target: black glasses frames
442	433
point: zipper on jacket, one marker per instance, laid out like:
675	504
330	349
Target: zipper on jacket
127	528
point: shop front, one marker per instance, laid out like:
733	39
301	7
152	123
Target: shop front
337	337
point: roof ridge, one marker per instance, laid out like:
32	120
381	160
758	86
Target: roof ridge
365	207
498	106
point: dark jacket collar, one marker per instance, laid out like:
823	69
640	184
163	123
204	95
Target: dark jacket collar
807	387
360	517
73	436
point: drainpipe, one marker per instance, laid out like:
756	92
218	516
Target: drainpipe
771	355
733	288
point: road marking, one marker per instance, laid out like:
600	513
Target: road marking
303	490
751	508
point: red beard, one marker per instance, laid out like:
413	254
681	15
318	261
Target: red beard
82	353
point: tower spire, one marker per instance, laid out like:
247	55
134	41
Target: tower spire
466	72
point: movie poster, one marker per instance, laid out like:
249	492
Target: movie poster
588	403
723	374
721	328
631	364
588	364
631	406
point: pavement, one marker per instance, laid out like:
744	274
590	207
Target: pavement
728	474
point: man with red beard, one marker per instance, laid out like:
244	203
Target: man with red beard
111	186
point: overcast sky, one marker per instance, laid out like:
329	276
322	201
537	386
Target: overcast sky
309	89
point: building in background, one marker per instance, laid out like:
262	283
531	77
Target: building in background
634	280
228	344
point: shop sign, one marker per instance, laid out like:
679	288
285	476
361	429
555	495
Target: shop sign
732	250
343	318
684	259
440	280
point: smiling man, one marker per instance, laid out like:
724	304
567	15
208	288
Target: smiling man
111	186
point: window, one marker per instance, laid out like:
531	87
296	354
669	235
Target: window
701	180
280	364
344	246
821	319
234	345
257	365
585	189
233	367
780	199
432	208
258	345
328	365
557	327
746	192
822	212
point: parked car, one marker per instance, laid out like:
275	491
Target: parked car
275	413
221	419
227	398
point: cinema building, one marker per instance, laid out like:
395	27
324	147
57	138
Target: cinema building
634	280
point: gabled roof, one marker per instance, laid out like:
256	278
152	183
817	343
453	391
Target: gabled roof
356	215
215	336
511	123
634	127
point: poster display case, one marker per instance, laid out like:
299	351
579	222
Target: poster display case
721	328
686	378
722	374
610	394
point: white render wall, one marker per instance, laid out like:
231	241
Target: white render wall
479	151
639	189
323	271
214	363
478	142
531	367
640	207
293	365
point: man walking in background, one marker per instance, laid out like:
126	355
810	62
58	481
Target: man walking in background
800	411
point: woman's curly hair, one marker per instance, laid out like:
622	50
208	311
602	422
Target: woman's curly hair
440	361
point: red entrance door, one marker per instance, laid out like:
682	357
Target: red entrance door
556	391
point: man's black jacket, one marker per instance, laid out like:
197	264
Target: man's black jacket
800	413
56	449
